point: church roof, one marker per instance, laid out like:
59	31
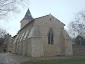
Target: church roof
28	15
31	21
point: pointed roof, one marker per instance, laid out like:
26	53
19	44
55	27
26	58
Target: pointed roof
28	15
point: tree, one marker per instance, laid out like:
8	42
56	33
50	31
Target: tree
2	33
1	41
77	27
7	6
79	40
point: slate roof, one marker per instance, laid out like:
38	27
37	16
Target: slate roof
28	15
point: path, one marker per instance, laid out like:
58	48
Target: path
6	59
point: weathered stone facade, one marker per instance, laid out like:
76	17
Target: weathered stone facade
33	38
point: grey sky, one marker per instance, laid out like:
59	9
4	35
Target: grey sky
64	10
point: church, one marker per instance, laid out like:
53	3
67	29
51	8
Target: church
42	36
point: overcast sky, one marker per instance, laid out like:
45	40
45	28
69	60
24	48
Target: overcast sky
64	10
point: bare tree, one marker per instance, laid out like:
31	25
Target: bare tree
7	6
77	27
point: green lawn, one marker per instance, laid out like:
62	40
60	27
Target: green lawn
59	61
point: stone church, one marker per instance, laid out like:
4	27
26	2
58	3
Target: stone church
42	36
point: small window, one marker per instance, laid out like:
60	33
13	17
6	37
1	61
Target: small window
50	37
25	35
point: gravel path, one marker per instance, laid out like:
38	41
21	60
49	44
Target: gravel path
6	59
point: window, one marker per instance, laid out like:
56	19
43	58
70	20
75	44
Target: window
26	35
19	38
50	37
22	37
15	39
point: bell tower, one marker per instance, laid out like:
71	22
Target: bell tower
28	17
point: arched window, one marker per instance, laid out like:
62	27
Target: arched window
50	37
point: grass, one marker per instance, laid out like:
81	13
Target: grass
58	61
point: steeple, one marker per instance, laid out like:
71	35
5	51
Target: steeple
28	15
27	18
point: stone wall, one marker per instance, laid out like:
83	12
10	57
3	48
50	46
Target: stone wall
37	47
58	46
68	47
79	50
24	22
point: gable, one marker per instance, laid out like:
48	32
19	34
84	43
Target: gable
58	20
49	16
48	20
